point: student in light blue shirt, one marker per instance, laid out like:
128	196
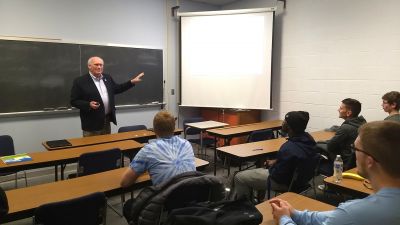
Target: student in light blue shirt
164	157
378	156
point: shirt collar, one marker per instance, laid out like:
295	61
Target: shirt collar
95	78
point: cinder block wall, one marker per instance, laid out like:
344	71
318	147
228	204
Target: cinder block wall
337	49
328	50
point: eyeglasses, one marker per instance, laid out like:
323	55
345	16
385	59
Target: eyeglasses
355	149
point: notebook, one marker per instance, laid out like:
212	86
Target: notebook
16	158
58	143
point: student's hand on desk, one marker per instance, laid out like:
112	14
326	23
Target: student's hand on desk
94	105
138	78
280	208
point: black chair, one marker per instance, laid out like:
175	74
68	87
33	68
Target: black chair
261	135
131	128
195	134
303	175
6	149
86	210
97	162
130	155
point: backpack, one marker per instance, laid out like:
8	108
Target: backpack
3	203
174	193
227	212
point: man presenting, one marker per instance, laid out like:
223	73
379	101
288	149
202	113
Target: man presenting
378	156
93	93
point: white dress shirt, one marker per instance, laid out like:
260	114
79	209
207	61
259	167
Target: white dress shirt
101	87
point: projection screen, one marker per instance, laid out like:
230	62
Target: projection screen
226	58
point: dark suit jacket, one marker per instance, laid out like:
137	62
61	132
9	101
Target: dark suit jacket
84	91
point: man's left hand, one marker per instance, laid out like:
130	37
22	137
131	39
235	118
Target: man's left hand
138	78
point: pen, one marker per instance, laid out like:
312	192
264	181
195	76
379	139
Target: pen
257	149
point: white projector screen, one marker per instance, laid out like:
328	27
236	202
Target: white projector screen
226	59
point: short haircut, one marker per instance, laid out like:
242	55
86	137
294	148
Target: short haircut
353	105
381	140
91	58
164	124
392	97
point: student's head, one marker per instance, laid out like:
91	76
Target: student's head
164	124
349	108
95	65
377	147
295	122
391	101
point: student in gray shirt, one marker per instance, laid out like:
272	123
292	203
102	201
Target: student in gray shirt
378	157
391	105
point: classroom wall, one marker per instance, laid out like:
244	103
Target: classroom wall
325	51
130	22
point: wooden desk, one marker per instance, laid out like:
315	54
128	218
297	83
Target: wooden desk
246	129
299	202
24	201
205	125
260	149
227	133
349	186
139	136
55	158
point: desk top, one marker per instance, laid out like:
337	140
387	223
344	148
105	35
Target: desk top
206	124
24	201
299	202
245	129
255	149
131	135
350	186
49	158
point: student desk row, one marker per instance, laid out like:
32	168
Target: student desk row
260	149
141	136
356	188
227	133
24	201
64	156
297	201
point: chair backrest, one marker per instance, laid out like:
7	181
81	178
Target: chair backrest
6	145
261	135
131	128
190	130
97	162
179	191
303	173
86	210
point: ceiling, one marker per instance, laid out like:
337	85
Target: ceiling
216	2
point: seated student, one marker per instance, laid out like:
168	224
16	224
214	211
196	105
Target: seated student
391	105
344	136
378	157
299	147
163	158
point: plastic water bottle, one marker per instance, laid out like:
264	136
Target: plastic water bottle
338	169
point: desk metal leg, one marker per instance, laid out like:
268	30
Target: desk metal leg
215	155
62	170
56	172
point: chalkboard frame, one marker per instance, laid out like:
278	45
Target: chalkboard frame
157	54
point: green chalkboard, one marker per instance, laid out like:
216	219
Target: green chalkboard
38	75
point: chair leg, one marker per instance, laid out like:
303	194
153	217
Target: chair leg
26	179
114	209
16	180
